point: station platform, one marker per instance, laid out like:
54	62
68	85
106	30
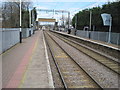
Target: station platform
109	50
109	45
97	41
26	64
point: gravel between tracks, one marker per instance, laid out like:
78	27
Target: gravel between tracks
106	77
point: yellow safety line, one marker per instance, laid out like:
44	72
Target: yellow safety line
61	56
82	86
24	75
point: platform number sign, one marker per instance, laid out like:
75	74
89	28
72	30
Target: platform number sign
106	19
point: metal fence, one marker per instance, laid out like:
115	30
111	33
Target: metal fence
11	36
0	41
8	38
26	32
101	36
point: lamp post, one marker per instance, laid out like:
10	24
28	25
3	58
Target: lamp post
89	31
76	21
90	19
30	18
20	23
75	24
110	30
33	20
68	19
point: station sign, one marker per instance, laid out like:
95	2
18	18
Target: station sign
106	19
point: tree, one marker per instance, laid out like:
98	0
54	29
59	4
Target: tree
11	14
34	13
111	8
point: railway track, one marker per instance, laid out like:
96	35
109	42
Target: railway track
107	62
71	73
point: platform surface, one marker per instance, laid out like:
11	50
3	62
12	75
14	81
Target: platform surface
110	45
26	65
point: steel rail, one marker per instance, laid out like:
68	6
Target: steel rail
97	83
59	71
89	55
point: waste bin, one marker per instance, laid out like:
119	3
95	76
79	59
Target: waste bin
69	31
29	33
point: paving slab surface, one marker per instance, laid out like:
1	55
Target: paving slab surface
26	66
37	74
